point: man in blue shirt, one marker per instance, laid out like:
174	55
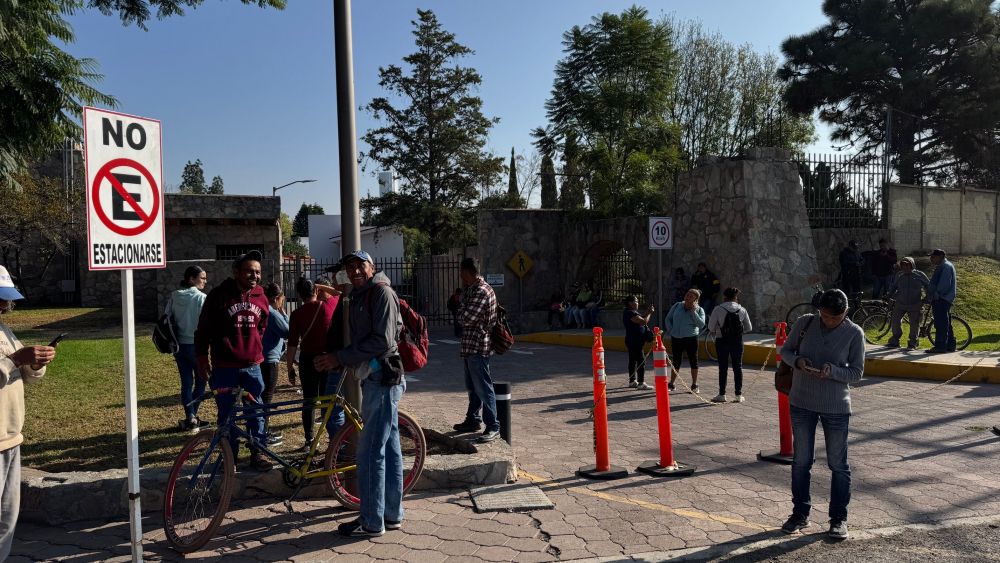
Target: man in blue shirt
941	293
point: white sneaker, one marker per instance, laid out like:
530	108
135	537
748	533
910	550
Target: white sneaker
633	384
719	399
739	399
695	390
643	387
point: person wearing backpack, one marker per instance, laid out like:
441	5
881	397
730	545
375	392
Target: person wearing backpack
728	323
184	308
373	357
477	316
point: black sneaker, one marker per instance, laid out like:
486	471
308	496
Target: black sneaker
488	436
467	426
670	387
393	525
260	462
838	530
354	529
996	430
794	524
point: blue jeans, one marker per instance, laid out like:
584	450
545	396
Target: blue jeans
804	441
883	285
479	384
251	380
730	352
337	416
191	386
944	339
380	458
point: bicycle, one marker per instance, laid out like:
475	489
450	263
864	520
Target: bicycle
707	343
858	307
878	330
201	481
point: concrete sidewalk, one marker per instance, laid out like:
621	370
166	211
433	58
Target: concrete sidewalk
978	367
920	453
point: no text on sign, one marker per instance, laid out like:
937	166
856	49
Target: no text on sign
124	196
521	263
661	233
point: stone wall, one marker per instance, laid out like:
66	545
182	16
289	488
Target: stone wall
195	226
747	220
961	221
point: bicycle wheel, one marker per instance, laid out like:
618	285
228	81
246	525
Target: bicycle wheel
959	328
342	456
797	311
198	492
708	345
876	328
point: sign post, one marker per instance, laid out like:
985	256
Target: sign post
661	237
125	232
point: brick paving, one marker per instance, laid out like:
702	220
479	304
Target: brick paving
920	453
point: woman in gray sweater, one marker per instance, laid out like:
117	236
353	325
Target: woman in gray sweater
828	353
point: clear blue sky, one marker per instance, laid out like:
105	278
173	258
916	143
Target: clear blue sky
251	92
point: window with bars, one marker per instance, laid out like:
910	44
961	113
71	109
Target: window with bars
616	278
234	251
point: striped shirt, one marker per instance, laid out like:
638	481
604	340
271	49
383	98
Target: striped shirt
477	316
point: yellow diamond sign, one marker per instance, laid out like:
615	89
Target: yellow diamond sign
521	263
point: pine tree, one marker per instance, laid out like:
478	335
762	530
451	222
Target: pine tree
512	181
550	197
217	187
193	178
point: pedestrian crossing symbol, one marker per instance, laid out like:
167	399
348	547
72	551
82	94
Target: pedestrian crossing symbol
521	263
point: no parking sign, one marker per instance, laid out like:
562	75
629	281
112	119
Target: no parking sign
124	191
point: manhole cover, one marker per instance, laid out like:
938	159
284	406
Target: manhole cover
509	497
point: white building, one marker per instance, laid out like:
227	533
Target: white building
325	240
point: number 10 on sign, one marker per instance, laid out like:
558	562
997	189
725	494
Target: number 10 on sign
661	233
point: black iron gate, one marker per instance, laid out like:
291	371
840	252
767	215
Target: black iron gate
426	283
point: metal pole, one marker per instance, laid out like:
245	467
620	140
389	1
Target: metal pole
131	418
349	211
502	391
659	286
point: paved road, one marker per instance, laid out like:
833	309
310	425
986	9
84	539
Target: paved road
920	453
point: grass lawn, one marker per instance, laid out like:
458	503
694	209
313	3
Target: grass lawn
75	419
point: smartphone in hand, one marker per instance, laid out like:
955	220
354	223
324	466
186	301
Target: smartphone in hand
55	341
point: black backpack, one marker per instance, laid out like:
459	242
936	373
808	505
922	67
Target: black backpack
164	336
732	326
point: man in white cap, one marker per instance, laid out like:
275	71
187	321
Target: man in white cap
17	364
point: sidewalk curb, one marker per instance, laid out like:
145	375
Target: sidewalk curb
910	366
786	542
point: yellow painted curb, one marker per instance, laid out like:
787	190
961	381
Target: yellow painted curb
912	367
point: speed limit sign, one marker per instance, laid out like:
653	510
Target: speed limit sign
661	233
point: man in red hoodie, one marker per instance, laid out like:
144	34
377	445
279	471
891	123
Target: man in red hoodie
231	324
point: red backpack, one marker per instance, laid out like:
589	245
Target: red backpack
414	340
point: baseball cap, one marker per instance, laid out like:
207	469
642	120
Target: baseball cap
359	255
937	252
7	290
254	255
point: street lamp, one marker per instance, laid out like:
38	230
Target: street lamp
274	191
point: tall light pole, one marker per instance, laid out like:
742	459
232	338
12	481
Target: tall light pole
274	191
350	214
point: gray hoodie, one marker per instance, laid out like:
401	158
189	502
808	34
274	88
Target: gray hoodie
910	287
719	316
375	323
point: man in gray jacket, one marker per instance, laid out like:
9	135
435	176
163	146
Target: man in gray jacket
373	355
910	285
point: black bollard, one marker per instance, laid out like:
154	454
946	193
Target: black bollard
502	392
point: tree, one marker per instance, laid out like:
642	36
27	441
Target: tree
612	91
434	136
728	99
36	217
512	171
571	196
300	226
291	245
550	197
193	178
42	87
217	187
934	63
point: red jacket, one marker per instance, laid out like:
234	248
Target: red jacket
231	324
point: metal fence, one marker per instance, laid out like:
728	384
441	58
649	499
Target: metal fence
616	278
842	190
425	283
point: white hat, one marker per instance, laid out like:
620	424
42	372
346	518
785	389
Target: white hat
7	290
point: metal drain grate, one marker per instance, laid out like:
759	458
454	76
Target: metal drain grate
509	497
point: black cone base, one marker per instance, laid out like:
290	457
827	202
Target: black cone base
653	467
591	472
776	457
